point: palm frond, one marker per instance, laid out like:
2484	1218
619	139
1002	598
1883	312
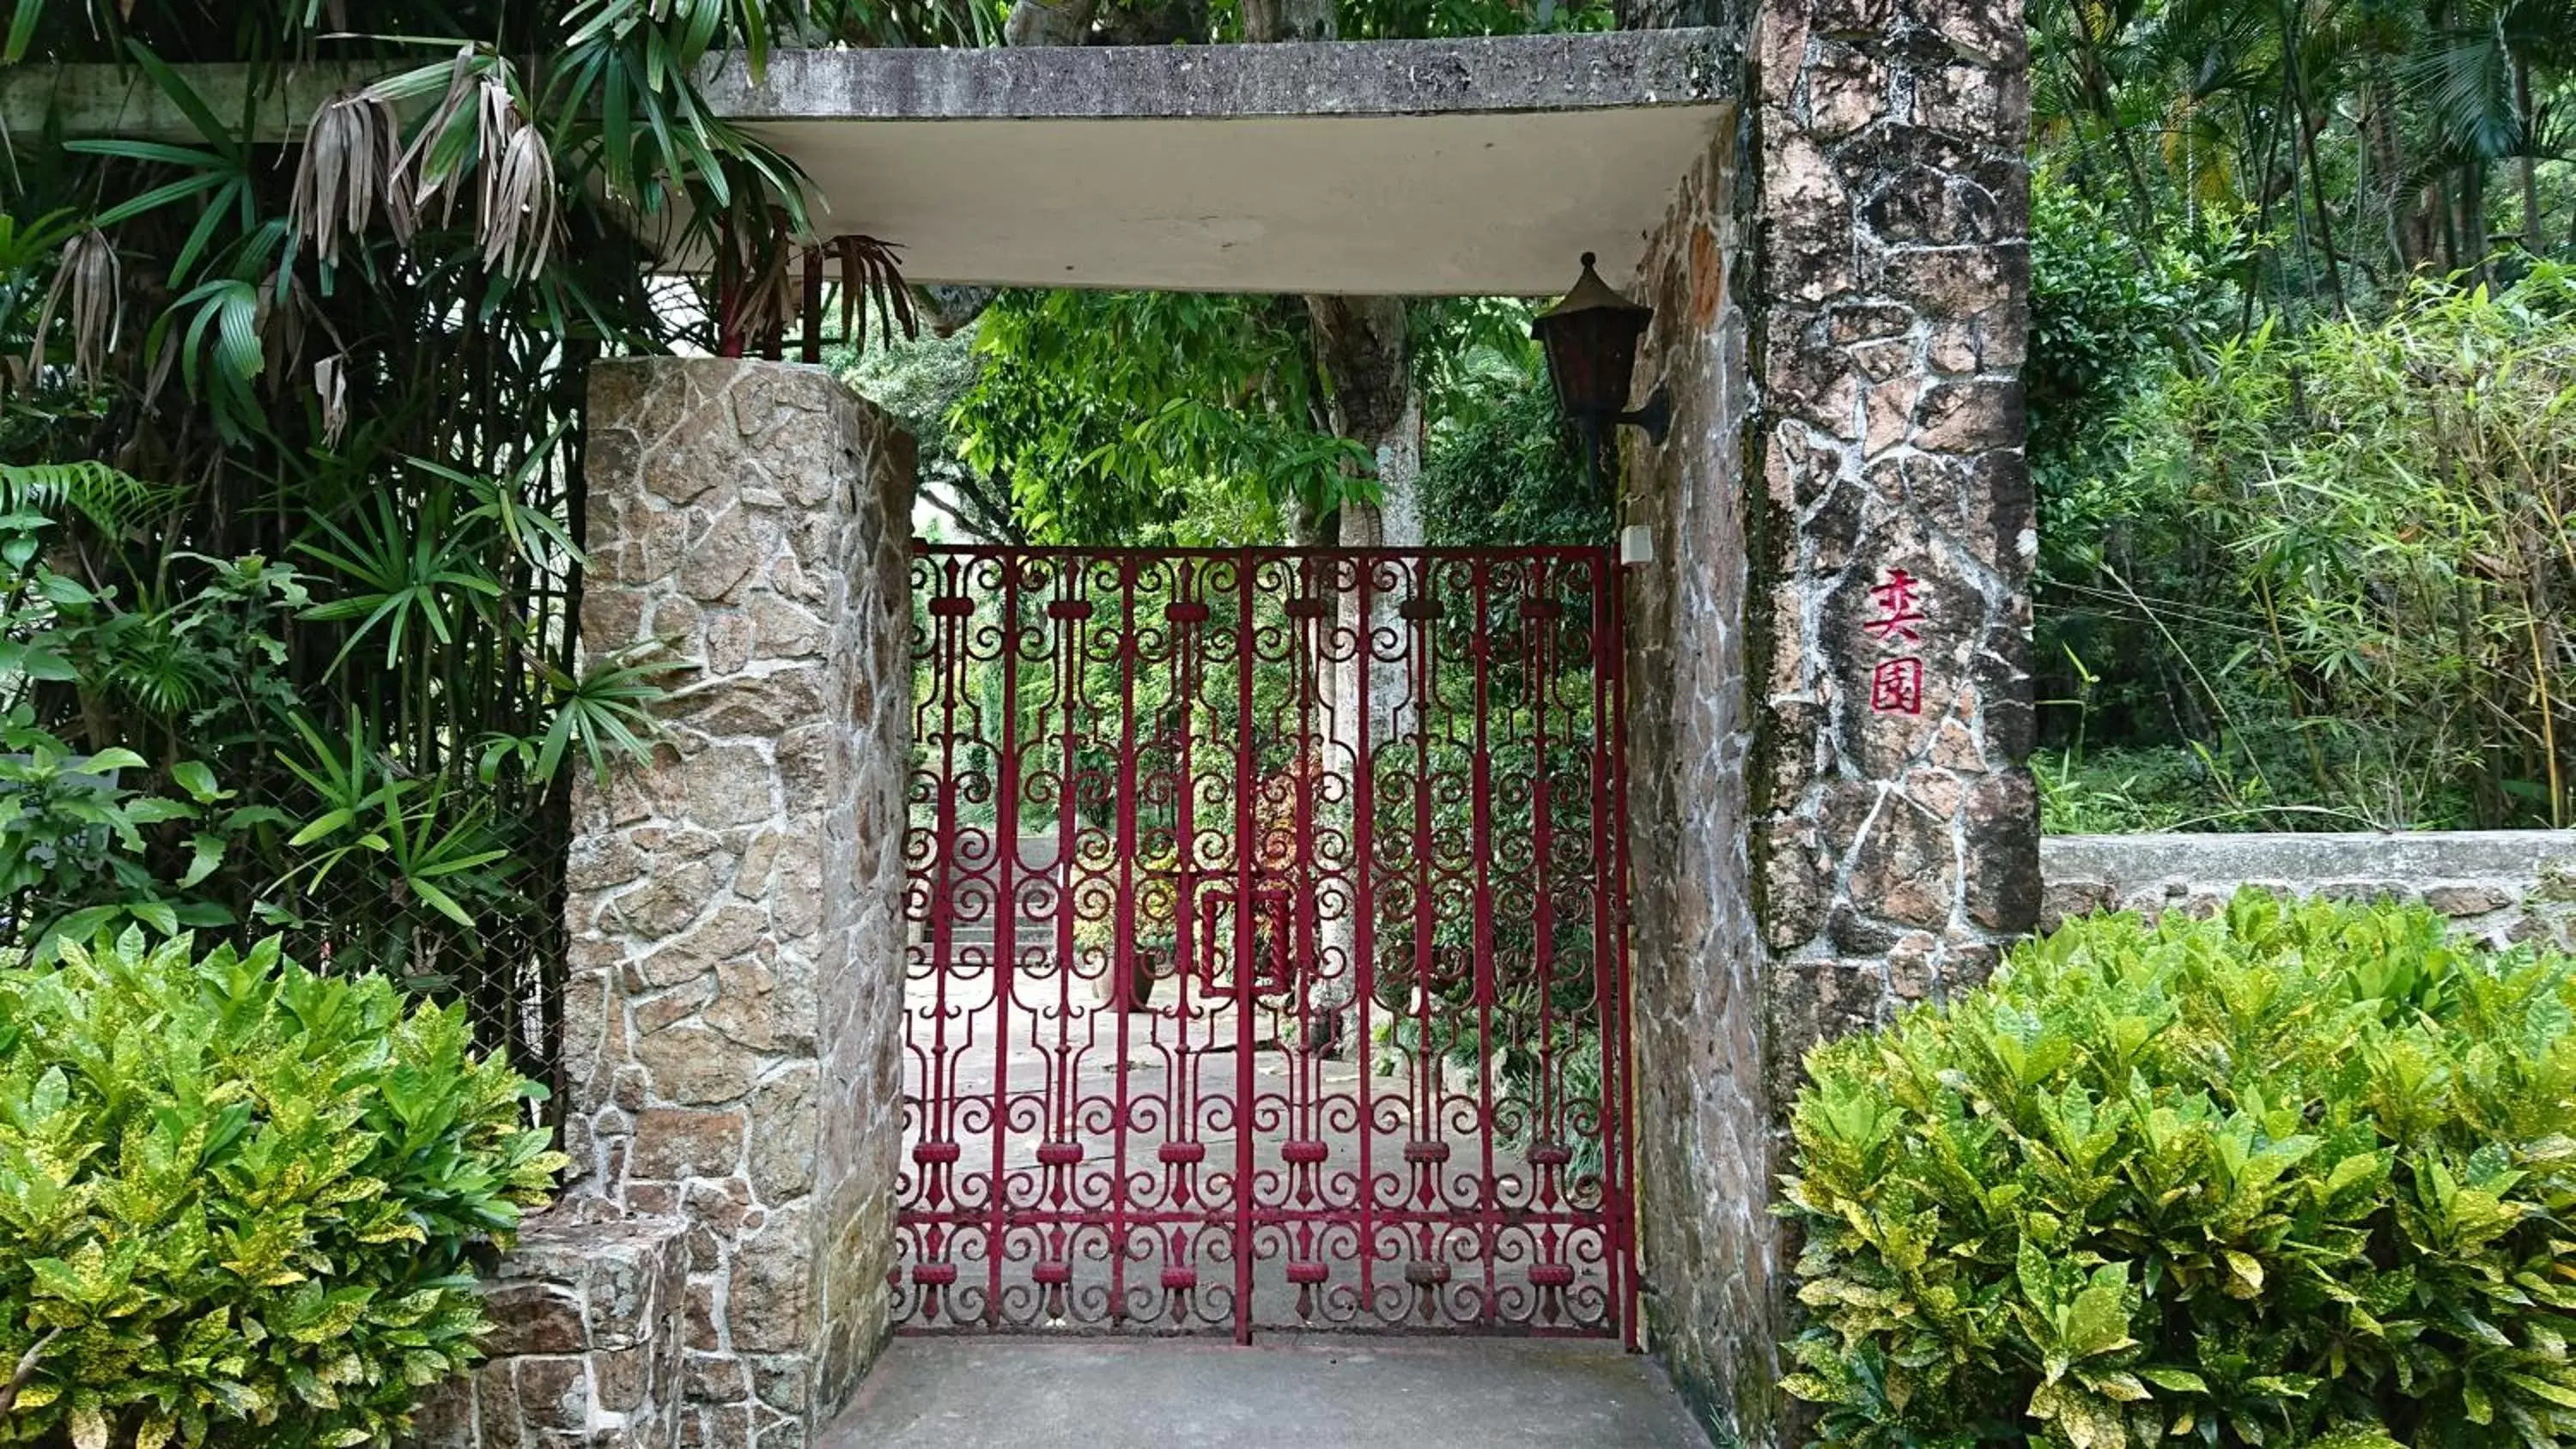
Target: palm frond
515	221
94	280
351	165
2464	76
869	274
114	502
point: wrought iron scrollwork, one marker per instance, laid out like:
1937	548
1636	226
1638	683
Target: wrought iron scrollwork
1266	961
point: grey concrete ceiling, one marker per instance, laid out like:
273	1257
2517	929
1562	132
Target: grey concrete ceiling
1416	167
1498	204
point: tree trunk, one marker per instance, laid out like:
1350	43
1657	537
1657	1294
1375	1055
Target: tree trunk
1269	20
2437	202
2473	215
2530	159
1360	349
2305	140
1049	22
2408	240
1360	345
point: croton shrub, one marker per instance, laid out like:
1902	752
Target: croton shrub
2297	1175
240	1202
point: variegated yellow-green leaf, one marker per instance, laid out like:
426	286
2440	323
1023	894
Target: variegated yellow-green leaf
208	1210
2301	1167
2245	1274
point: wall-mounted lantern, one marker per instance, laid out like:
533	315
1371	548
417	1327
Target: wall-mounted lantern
1591	344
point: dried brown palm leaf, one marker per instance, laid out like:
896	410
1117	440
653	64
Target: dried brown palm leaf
90	277
871	275
164	361
351	165
284	316
331	387
423	177
516	221
768	294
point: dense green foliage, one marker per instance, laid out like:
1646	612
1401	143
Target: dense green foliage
239	1202
2252	224
290	456
2299	1175
1142	419
2370	140
1153	417
1503	472
2338	559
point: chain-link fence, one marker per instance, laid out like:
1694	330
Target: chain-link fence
504	961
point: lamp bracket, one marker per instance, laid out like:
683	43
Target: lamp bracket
1655	417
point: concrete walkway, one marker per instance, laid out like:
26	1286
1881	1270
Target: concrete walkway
1311	1393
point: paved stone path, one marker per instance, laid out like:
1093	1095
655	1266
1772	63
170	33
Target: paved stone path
1290	1393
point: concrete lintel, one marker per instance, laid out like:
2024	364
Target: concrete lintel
1535	73
1522	73
120	100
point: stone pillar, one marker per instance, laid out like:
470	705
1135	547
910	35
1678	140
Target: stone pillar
1897	829
1829	674
732	1033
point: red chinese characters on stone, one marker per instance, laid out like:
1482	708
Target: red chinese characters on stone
1898	613
1896	685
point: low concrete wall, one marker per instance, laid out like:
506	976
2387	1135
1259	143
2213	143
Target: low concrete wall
2500	886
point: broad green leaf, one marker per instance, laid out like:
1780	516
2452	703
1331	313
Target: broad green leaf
194	777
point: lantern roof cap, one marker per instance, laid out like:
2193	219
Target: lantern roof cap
1591	294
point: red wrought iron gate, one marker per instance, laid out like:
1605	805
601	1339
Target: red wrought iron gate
1268	962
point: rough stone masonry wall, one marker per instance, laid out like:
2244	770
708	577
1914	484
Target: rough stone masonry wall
2498	887
588	1319
1869	667
731	1028
1895	847
1698	966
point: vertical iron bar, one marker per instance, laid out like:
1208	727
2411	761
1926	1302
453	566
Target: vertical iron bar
1122	945
1547	1110
1189	936
1480	850
1006	826
1363	963
1612	648
1430	1091
1309	654
1601	888
1065	637
1246	786
947	647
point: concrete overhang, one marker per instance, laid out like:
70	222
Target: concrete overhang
1459	167
1413	167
